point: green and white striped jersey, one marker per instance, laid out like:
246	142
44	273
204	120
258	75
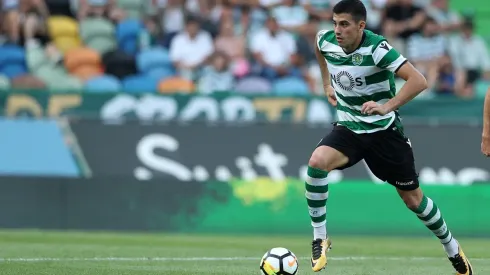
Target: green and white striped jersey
361	76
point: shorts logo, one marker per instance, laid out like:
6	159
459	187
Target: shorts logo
404	183
357	59
345	80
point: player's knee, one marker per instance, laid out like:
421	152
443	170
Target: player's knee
327	159
412	199
411	203
318	162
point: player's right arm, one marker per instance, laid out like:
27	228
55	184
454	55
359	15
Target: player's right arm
322	62
485	143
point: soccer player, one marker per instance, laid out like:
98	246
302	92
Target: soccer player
358	69
485	140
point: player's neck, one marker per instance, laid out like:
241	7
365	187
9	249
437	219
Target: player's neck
356	45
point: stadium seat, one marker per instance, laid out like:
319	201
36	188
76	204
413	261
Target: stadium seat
161	73
84	63
64	32
176	85
119	64
134	8
127	33
290	86
12	61
98	34
151	59
103	83
253	85
36	58
140	84
58	80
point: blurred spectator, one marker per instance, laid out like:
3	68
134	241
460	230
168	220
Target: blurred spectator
251	19
233	46
34	15
318	9
11	19
216	77
470	55
426	49
169	16
98	8
448	82
291	16
190	49
274	51
402	19
446	18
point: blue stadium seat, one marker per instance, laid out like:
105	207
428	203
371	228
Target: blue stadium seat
151	58
161	73
253	85
127	33
12	61
290	86
103	83
140	84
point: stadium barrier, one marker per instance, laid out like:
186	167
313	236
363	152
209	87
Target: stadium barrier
218	107
258	206
447	155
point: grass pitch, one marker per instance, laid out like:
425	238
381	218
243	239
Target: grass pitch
74	253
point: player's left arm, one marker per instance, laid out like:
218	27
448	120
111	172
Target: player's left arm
415	83
388	58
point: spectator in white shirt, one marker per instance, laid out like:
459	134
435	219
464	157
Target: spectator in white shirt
274	51
470	56
190	49
217	77
448	20
426	49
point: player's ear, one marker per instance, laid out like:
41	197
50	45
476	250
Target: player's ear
362	24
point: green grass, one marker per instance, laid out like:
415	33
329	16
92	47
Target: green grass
73	253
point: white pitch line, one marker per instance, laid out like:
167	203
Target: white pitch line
197	259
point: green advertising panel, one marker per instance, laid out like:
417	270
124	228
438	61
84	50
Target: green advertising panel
228	107
354	207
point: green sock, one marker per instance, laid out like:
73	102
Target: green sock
429	214
316	186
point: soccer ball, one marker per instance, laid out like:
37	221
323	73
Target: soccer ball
279	261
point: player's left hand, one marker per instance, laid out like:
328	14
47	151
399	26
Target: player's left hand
485	145
373	108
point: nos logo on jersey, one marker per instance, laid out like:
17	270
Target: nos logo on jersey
346	81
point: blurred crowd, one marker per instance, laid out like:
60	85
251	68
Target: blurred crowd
261	46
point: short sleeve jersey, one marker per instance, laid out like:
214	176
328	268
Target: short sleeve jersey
366	74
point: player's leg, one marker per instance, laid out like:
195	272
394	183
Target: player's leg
338	150
391	159
430	215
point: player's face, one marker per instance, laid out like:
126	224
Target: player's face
347	30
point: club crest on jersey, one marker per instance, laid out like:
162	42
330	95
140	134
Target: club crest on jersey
357	59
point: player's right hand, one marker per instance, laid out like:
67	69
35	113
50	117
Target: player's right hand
330	92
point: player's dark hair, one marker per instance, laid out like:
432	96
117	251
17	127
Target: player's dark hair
353	7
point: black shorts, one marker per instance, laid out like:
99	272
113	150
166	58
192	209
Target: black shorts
388	154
